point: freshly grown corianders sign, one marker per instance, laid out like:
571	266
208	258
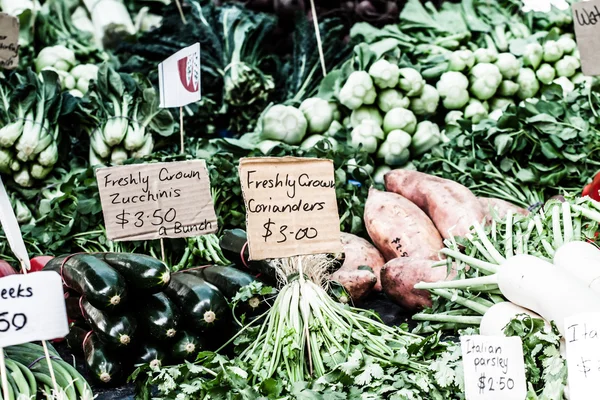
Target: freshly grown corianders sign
153	201
291	206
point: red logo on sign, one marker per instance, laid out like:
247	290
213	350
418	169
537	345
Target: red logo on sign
189	72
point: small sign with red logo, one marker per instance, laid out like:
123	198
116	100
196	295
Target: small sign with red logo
179	78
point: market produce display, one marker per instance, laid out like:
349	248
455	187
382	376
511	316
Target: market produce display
464	142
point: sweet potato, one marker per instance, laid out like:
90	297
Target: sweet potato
358	283
399	276
497	207
358	252
398	228
451	206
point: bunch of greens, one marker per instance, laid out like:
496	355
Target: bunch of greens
237	72
120	117
529	154
30	108
545	368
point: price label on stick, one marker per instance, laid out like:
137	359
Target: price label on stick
494	368
291	207
153	201
32	307
586	18
9	41
583	355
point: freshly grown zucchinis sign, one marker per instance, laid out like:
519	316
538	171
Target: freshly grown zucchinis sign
9	41
32	307
158	200
291	207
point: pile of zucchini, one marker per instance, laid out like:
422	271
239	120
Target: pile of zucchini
128	310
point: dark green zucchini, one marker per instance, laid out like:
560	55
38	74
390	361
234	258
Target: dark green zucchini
199	301
228	280
73	309
158	317
104	287
104	364
232	243
141	272
186	347
152	354
114	330
76	336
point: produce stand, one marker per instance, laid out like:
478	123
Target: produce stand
299	200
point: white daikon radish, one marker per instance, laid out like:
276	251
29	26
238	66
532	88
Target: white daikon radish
582	260
545	289
498	316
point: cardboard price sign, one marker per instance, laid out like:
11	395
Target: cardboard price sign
161	200
32	307
9	41
583	355
291	207
494	368
586	18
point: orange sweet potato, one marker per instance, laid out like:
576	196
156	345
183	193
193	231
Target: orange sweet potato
399	276
398	228
358	283
451	206
499	208
358	252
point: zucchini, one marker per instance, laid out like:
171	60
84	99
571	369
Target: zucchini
158	317
201	302
141	272
103	286
73	310
232	243
186	347
76	336
103	363
114	330
228	280
150	354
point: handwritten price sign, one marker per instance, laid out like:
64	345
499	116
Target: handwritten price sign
586	19
32	307
151	201
583	354
291	207
9	41
494	368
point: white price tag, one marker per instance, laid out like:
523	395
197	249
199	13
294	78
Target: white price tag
32	307
494	368
583	355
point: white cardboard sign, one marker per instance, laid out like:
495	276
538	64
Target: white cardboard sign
583	355
32	307
494	368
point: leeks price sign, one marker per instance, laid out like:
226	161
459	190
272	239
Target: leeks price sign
158	200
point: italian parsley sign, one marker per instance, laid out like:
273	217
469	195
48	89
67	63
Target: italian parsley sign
583	355
291	206
158	200
33	308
